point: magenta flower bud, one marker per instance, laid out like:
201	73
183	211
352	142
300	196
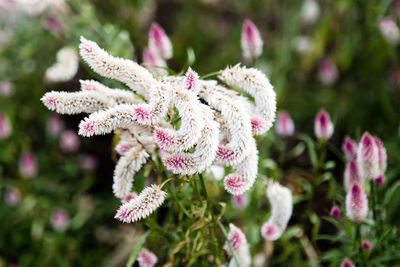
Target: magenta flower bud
389	30
28	166
88	162
59	219
380	180
153	62
55	125
6	88
366	245
69	141
347	263
147	258
382	156
328	72
356	204
5	127
12	196
368	158
236	237
284	124
352	175
240	201
53	25
335	212
159	42
349	148
251	40
323	125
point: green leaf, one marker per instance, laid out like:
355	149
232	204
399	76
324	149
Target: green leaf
311	149
137	249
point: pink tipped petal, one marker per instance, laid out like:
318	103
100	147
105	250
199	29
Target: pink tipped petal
366	245
270	231
175	162
159	42
236	237
146	258
257	126
143	115
234	184
49	100
224	154
86	128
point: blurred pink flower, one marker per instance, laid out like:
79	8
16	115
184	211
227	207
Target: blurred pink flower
284	124
5	127
69	141
88	162
55	125
251	41
328	72
352	175
12	196
349	148
240	201
53	24
347	263
59	219
28	165
380	180
368	157
366	245
323	125
236	237
7	88
335	212
389	30
159	42
382	156
147	258
356	204
153	62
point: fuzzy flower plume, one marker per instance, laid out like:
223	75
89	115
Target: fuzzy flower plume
147	258
347	263
191	80
368	158
352	175
280	198
238	242
65	67
349	148
159	42
284	124
323	125
142	206
251	40
356	204
255	83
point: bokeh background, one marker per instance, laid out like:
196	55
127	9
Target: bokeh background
57	205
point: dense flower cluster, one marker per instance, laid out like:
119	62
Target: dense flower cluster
216	123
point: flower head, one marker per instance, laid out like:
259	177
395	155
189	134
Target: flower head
55	125
284	124
28	165
12	196
5	126
59	219
366	245
335	212
368	158
356	204
6	88
380	180
153	62
65	67
347	263
323	125
389	30
240	201
147	258
191	80
382	156
328	72
251	40
352	175
159	42
69	141
349	148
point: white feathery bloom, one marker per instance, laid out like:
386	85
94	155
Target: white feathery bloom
281	202
310	11
65	67
128	165
142	206
192	123
255	83
356	204
246	172
159	42
205	152
238	243
238	122
35	7
118	95
127	71
76	102
368	158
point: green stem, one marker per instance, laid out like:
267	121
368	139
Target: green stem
373	204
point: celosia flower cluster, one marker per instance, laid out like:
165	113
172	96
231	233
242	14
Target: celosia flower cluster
216	124
237	244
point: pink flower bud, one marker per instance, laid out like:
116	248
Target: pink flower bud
5	127
356	204
69	141
53	25
240	201
380	180
389	30
352	175
59	219
12	196
191	80
328	72
236	237
251	40
349	148
366	245
323	126
147	258
270	231
55	125
28	166
382	156
347	263
336	212
159	42
368	158
284	124
6	88
154	63
88	162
